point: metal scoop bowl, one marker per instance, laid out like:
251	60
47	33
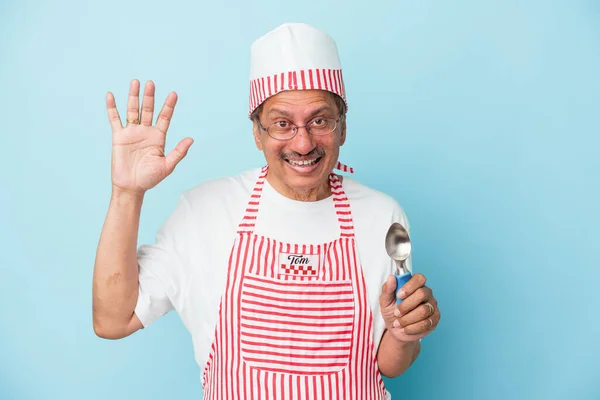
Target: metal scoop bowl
398	247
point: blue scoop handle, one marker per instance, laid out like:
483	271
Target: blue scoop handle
400	281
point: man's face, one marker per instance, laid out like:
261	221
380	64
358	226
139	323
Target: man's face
318	154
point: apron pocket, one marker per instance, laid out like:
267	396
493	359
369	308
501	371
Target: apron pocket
296	327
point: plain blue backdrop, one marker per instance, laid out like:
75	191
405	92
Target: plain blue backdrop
480	117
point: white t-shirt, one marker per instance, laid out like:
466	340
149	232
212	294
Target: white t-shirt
186	268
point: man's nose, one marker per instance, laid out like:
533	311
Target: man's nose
303	142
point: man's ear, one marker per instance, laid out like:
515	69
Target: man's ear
256	133
343	133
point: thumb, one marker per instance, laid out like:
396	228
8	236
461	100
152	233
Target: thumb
388	292
177	154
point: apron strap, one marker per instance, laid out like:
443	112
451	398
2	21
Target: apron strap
248	222
343	167
342	207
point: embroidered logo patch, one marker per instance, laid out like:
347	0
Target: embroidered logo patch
294	264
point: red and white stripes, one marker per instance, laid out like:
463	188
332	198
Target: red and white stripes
248	221
294	337
324	79
344	168
296	328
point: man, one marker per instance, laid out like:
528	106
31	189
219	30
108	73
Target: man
279	273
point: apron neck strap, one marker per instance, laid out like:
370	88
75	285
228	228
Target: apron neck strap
340	201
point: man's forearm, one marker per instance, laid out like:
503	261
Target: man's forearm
115	283
394	357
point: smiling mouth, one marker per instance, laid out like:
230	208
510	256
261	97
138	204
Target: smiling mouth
303	163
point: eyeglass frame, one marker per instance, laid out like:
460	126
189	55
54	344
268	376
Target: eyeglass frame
297	128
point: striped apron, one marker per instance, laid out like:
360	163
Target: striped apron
294	320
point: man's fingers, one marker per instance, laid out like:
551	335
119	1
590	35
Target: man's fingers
423	326
113	114
411	302
165	115
420	313
415	282
388	292
133	102
148	104
177	154
389	286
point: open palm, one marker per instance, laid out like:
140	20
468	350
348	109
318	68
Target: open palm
138	158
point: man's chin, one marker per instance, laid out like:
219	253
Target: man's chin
303	181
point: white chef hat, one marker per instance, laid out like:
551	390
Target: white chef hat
294	56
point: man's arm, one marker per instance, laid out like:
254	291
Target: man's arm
406	324
115	285
138	164
394	357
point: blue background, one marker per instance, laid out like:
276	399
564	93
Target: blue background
479	117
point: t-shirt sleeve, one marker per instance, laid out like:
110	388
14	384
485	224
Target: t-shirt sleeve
163	266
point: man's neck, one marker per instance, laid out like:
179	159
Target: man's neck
313	194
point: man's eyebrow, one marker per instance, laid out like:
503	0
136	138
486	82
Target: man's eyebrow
279	111
287	114
320	110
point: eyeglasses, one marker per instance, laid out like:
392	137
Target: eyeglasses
283	130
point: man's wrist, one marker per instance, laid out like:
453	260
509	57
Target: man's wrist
122	197
403	343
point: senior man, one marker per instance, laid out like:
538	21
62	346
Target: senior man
279	273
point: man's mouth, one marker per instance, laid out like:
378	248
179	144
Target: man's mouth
303	163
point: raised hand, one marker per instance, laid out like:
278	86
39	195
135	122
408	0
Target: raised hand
138	157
